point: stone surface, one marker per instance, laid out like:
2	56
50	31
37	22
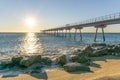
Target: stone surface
61	60
74	57
98	53
71	67
86	50
116	49
16	60
38	74
84	60
80	59
6	63
30	60
76	52
36	66
99	44
46	60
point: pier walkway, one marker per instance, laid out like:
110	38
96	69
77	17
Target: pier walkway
98	22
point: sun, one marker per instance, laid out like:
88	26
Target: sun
30	22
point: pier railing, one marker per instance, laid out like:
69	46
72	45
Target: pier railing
97	19
98	22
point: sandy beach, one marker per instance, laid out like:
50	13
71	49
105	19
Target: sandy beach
103	68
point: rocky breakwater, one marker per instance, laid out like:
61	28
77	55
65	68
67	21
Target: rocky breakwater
80	58
77	60
30	64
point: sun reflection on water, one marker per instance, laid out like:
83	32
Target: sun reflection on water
31	45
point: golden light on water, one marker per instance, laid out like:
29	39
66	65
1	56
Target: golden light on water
31	45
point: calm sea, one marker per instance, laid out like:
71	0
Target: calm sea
37	43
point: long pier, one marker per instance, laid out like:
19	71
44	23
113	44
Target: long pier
98	22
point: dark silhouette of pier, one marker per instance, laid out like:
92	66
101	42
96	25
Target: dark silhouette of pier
98	22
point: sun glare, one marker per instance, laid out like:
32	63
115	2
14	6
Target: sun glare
30	22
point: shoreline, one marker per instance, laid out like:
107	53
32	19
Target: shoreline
108	67
92	62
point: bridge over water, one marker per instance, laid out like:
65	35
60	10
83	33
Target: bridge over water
98	22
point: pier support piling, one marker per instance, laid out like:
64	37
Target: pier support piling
69	33
102	27
66	33
62	33
57	32
96	34
103	34
75	34
80	34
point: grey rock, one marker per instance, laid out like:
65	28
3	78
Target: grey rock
76	52
46	60
98	44
100	52
39	74
6	63
74	57
36	66
116	49
16	59
86	50
26	62
71	67
61	60
84	60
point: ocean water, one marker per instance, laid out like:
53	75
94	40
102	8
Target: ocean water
47	45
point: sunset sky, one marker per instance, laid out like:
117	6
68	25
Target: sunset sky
53	13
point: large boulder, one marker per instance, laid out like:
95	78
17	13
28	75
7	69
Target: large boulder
80	59
27	61
84	60
6	63
76	52
74	58
116	49
71	67
40	75
36	66
86	51
98	44
62	60
16	60
46	60
100	52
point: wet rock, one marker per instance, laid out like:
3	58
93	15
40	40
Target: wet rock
84	60
100	52
6	63
98	48
80	59
110	51
98	44
116	49
2	53
74	57
76	52
71	67
35	71
16	60
110	45
11	74
26	62
36	66
39	74
46	60
86	50
61	60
